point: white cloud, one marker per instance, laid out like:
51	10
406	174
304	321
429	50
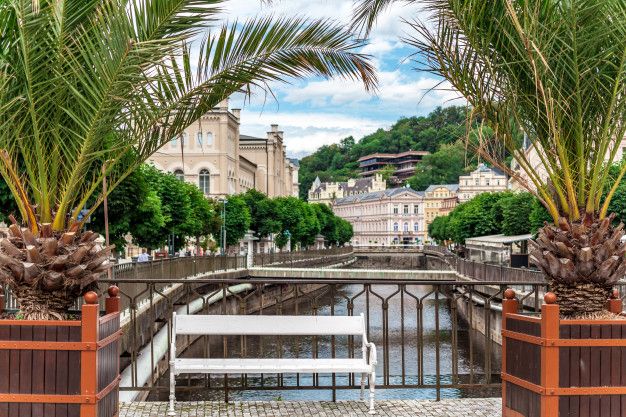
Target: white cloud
395	89
305	132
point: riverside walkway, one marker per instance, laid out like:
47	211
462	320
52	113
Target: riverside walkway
469	407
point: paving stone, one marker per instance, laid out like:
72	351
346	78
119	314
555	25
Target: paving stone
470	407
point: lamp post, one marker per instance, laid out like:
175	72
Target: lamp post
223	201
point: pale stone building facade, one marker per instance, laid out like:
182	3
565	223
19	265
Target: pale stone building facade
439	200
327	192
212	154
384	218
482	180
523	183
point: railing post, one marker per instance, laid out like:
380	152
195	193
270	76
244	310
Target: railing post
89	358
510	305
112	302
549	356
615	303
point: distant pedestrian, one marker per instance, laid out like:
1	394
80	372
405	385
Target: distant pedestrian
143	257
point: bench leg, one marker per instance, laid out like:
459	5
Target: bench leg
171	411
362	397
372	380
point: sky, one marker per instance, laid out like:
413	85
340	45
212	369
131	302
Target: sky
316	112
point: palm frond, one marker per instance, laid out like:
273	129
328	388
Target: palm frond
555	69
89	82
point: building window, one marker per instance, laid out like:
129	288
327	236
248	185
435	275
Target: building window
209	138
416	209
395	227
199	138
406	209
395	209
179	174
405	227
204	181
487	180
416	227
477	181
174	141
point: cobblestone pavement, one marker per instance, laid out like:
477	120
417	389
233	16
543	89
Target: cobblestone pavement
474	407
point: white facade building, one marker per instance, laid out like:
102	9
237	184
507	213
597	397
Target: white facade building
384	218
482	180
327	192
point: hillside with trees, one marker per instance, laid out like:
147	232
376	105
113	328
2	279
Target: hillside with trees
441	133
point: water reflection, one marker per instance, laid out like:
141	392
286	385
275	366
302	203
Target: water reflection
417	347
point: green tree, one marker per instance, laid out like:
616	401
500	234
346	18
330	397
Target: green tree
237	220
175	205
442	167
438	229
201	222
290	215
476	217
135	191
85	83
262	211
344	231
516	210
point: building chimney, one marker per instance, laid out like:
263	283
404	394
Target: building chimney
223	104
237	113
274	128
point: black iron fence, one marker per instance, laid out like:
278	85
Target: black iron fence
177	268
295	257
420	328
480	271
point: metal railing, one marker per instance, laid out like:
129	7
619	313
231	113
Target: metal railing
295	257
480	271
423	340
177	268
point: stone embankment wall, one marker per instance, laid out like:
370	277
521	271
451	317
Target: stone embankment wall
398	261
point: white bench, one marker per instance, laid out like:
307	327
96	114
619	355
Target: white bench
233	325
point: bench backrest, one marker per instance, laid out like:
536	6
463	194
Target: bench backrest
228	325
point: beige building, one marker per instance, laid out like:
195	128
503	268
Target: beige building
384	218
522	182
482	180
327	192
439	200
214	155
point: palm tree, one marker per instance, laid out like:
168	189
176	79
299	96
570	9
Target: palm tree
92	88
556	69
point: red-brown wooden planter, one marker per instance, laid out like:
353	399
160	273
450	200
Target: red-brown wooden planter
62	368
562	368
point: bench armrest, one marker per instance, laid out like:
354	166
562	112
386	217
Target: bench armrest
372	357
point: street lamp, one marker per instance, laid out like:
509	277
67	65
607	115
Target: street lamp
223	201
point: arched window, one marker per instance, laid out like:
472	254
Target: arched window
405	227
199	138
395	227
204	181
179	174
416	227
209	138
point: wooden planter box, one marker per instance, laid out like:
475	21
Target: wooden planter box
562	368
62	368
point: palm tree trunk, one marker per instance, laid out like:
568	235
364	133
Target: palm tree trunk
582	262
48	272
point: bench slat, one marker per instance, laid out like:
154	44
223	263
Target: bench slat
269	325
275	366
